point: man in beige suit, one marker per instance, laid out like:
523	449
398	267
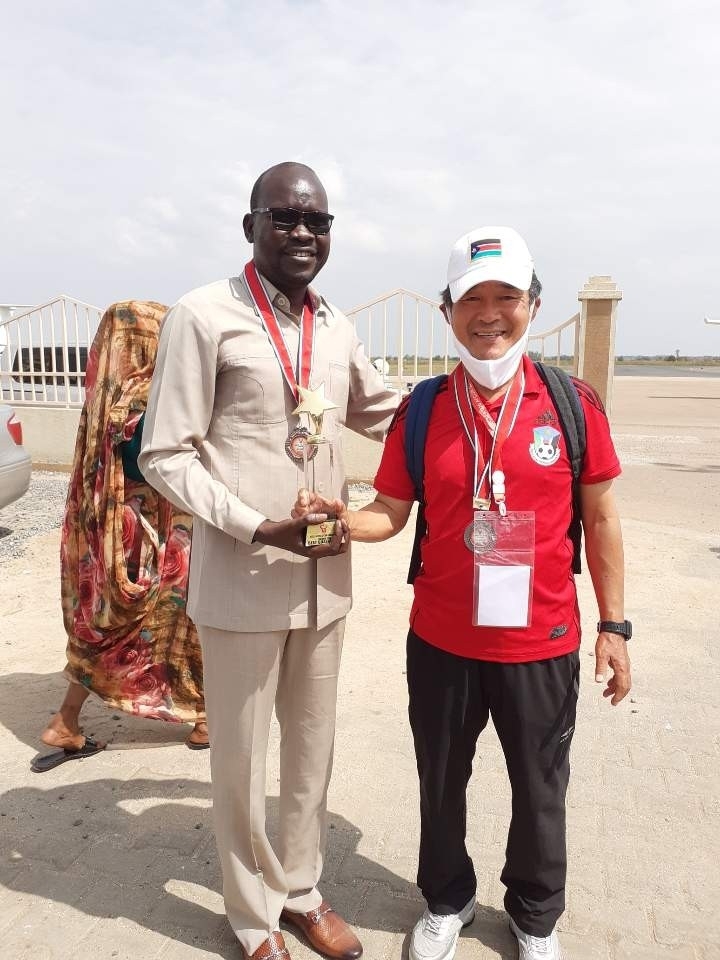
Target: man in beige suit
222	440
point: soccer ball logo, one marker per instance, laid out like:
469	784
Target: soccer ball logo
545	448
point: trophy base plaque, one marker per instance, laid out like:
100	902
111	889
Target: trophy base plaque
317	534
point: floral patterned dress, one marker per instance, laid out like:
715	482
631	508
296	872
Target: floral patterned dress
125	549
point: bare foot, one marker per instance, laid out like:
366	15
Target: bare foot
58	734
64	729
199	734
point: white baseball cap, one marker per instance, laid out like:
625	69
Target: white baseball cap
489	253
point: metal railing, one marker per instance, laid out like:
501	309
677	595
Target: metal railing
408	338
567	343
44	350
405	335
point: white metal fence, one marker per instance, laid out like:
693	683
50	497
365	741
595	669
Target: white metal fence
561	344
406	334
44	349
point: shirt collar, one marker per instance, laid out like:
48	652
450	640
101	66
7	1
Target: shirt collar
281	302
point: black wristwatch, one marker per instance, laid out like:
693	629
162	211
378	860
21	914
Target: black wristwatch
624	627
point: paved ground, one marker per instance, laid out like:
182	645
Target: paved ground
113	857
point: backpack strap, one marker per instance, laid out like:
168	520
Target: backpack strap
572	421
417	419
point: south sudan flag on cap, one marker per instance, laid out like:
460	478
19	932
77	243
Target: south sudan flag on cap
485	248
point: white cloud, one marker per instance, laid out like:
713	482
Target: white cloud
149	233
133	134
138	238
162	209
363	234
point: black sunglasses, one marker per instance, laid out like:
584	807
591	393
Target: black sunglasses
287	218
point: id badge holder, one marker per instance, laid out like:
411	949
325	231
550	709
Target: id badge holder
504	560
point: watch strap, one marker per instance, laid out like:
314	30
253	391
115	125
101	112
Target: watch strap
623	627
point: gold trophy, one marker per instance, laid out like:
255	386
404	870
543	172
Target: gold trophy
317	447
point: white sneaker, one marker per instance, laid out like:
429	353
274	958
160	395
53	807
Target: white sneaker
536	948
435	936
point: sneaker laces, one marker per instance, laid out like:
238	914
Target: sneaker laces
543	946
436	923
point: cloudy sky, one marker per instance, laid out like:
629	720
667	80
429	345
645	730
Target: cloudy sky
132	132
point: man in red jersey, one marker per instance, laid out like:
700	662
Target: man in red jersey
494	626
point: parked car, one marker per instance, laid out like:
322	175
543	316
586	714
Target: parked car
15	463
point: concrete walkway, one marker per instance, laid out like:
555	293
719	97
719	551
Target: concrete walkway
113	857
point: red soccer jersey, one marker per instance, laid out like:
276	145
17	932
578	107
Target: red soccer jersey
538	478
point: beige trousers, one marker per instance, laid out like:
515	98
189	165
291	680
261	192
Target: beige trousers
245	675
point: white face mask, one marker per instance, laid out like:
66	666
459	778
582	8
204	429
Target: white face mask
492	374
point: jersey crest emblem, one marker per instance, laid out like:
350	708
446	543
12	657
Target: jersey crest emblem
545	448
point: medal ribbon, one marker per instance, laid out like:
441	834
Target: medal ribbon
298	373
468	403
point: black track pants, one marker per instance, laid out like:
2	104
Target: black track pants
532	706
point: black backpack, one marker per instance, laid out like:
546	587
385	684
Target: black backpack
572	421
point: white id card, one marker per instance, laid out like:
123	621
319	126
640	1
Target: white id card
504	557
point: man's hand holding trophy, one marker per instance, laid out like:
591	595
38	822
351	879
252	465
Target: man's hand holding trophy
318	469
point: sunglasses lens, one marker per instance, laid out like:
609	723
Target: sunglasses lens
285	218
318	223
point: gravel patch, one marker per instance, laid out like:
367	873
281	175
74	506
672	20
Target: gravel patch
39	511
649	449
359	494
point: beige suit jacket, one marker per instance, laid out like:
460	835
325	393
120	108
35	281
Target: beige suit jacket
217	419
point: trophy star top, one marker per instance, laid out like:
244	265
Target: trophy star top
314	402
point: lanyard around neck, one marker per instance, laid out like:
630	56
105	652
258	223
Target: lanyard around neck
298	373
487	476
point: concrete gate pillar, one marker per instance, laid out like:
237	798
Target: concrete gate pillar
596	347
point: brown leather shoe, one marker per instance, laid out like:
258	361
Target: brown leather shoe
271	949
327	932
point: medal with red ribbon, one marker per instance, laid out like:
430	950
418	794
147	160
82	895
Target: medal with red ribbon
295	374
488	478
